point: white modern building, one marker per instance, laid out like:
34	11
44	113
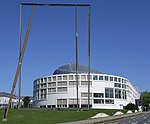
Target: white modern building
60	90
4	98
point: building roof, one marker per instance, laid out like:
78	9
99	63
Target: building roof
71	68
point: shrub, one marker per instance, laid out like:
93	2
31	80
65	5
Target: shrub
131	106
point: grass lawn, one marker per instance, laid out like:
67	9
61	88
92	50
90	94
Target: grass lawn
39	116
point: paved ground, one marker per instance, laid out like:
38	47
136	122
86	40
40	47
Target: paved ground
139	119
104	119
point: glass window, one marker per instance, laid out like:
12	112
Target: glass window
62	89
98	101
115	79
85	94
124	94
111	78
85	83
59	78
64	83
41	80
123	86
100	77
49	78
117	85
76	77
83	77
54	78
50	90
70	77
118	93
106	78
99	95
90	77
95	77
72	83
52	84
119	80
64	77
45	79
61	102
125	81
109	101
109	93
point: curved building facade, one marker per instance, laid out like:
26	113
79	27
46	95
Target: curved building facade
60	90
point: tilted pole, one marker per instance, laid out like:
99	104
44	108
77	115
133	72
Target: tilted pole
19	63
77	81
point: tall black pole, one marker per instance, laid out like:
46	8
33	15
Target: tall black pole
89	9
20	47
76	18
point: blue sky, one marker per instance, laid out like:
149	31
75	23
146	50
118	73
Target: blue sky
120	40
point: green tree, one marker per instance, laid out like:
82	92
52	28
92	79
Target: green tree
145	97
26	101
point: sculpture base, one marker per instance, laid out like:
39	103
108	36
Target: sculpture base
4	119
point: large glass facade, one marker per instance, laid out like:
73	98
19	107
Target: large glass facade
109	93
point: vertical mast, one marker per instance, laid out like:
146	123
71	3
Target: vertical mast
89	9
76	18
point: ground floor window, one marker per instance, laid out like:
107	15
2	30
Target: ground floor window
109	101
61	103
98	101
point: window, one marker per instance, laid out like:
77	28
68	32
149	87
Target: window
123	86
95	77
99	95
49	78
64	83
122	80
41	80
62	89
109	93
72	83
59	78
119	80
98	101
117	85
115	79
70	77
64	77
100	77
124	94
109	101
45	79
111	78
90	77
125	81
106	78
61	102
85	94
51	90
76	77
83	77
118	93
52	84
54	78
